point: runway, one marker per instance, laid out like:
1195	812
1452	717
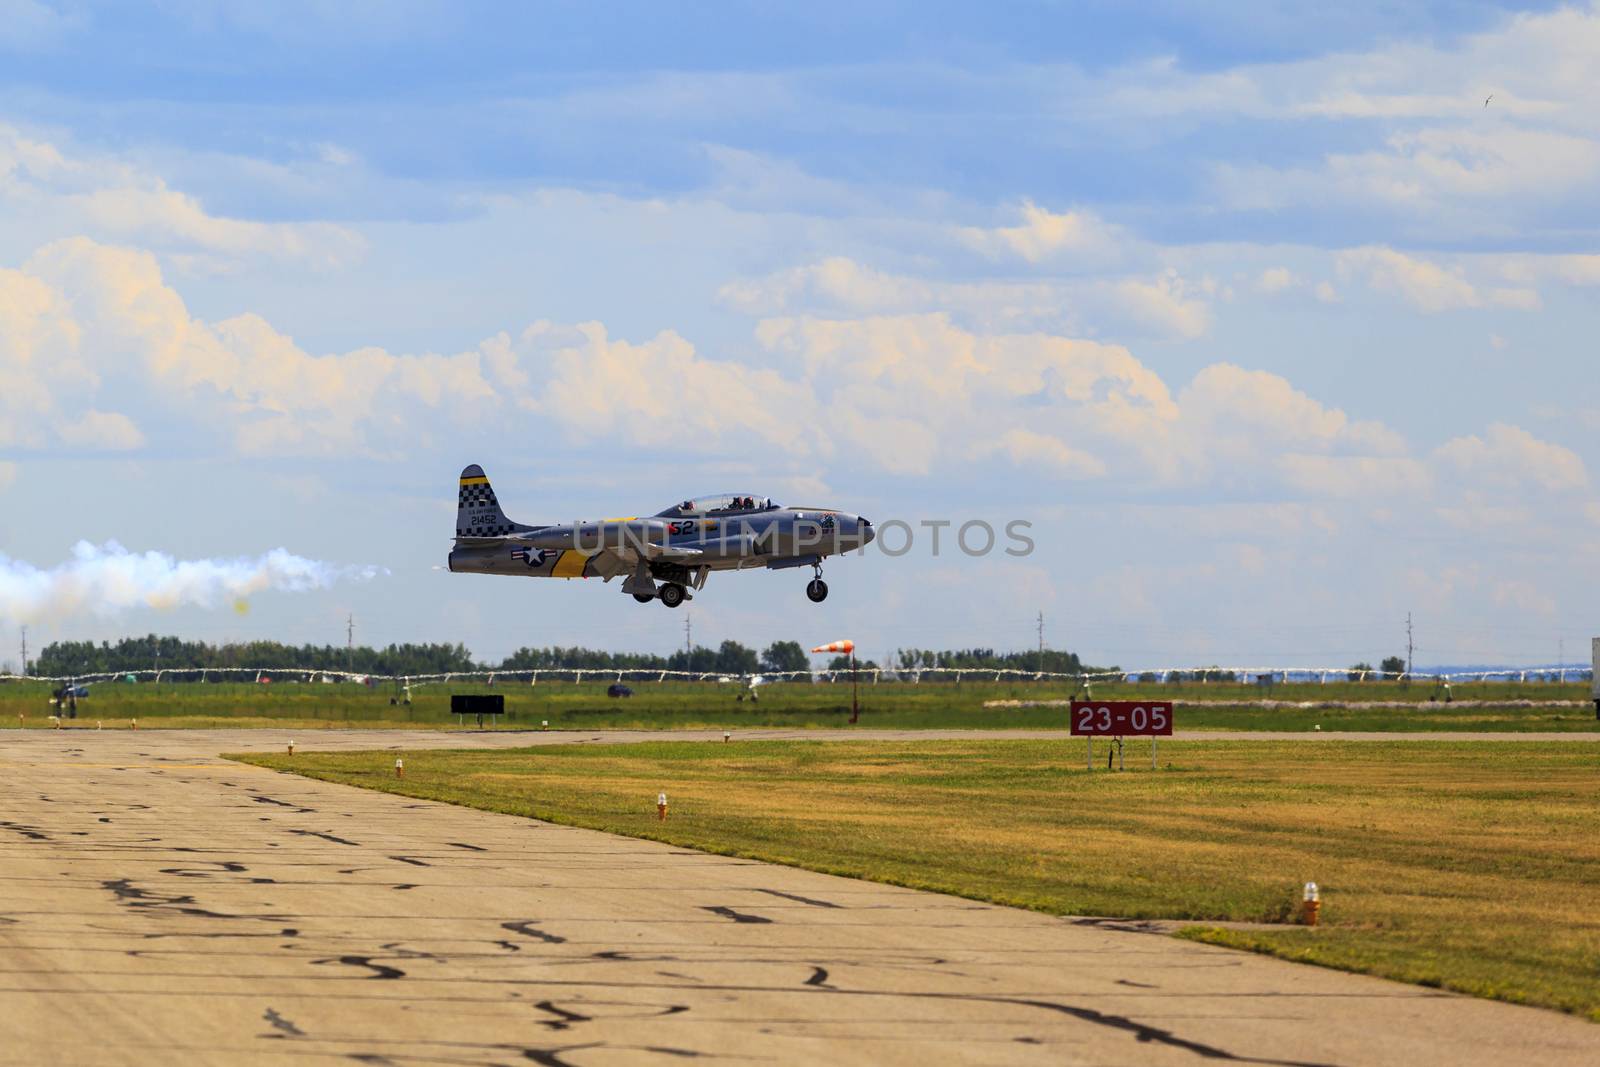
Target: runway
159	902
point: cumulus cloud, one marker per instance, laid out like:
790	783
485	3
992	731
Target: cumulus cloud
961	386
41	364
116	328
1355	477
106	580
115	200
1043	235
1165	305
662	393
1426	285
107	431
1168	302
1509	457
1435	159
837	282
1027	448
909	394
1578	271
1276	280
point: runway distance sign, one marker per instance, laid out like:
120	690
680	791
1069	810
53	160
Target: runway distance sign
1121	718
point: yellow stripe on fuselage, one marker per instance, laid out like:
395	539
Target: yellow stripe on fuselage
570	565
480	480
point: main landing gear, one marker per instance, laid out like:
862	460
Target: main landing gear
671	594
816	588
674	591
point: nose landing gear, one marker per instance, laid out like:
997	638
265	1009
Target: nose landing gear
817	589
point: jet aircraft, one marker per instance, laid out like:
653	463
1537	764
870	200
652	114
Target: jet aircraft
659	557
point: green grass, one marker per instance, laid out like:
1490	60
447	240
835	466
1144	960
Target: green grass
680	705
1469	866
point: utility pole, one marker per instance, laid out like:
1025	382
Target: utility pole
24	650
350	642
688	636
1041	640
1410	646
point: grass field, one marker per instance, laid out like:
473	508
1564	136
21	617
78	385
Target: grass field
670	705
1466	866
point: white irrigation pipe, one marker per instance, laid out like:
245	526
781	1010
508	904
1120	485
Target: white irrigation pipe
1193	675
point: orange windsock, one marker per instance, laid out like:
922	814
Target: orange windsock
846	645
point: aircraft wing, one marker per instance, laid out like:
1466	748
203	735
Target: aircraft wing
617	561
669	553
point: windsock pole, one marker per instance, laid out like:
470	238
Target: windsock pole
848	647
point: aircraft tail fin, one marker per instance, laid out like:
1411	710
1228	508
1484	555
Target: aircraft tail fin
478	513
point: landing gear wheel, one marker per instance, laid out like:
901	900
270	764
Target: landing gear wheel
671	594
817	590
643	598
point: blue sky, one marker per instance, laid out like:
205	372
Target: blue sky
1272	329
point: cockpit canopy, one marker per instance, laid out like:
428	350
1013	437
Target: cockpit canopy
718	504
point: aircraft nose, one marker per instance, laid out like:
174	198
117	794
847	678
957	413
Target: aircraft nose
864	526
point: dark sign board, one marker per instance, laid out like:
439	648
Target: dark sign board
1121	718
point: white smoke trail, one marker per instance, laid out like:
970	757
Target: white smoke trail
107	579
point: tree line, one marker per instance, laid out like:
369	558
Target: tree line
67	658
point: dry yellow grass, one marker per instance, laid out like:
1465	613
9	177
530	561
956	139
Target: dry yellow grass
1465	865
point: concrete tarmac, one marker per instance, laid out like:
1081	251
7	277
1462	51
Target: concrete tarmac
157	902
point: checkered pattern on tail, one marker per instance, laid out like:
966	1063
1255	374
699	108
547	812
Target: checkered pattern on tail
478	513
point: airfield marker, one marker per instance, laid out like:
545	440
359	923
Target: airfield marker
291	748
1594	677
661	807
1312	904
399	767
98	725
725	736
135	725
848	647
544	724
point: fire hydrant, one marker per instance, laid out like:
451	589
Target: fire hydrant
1311	904
661	808
399	768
